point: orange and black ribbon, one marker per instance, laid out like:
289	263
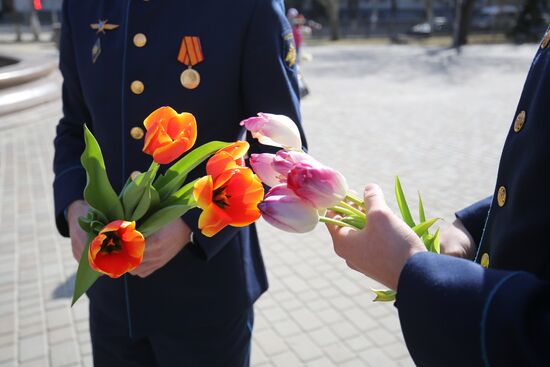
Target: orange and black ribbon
190	51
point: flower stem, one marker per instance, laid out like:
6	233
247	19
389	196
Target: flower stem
354	199
341	210
352	209
336	222
153	168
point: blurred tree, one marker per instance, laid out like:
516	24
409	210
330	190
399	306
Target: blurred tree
530	22
332	11
461	26
429	11
353	10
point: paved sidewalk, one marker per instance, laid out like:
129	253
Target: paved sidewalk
437	120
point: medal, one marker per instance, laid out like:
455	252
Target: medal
100	27
190	54
190	78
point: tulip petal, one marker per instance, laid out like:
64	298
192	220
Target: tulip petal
155	138
237	150
212	220
169	152
203	191
162	114
219	163
182	123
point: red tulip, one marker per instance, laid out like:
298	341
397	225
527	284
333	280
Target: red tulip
230	193
117	249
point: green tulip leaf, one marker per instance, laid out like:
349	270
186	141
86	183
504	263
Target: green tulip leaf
384	295
183	196
85	275
85	223
98	193
421	213
175	176
161	218
402	202
432	242
422	228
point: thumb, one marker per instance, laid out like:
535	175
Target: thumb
374	198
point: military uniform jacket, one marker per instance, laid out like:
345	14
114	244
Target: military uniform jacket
457	313
112	86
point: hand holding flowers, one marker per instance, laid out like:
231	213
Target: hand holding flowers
143	220
303	190
382	247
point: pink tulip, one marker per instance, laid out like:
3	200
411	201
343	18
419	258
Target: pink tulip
283	209
285	160
319	185
262	164
274	130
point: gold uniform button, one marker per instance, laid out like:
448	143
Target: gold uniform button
137	132
485	260
134	174
137	87
140	40
545	40
501	196
520	121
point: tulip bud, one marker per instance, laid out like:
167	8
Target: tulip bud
283	209
274	130
262	164
319	185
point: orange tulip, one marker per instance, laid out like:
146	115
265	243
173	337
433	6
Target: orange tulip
117	249
169	134
230	193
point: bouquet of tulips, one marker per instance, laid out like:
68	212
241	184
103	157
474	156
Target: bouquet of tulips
303	189
230	194
119	224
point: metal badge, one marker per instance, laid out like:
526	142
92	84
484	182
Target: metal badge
190	54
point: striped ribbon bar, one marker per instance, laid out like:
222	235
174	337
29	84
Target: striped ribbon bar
190	51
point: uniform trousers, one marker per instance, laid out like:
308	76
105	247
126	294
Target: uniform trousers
224	345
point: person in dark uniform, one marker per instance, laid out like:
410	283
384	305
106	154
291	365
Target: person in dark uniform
190	301
494	311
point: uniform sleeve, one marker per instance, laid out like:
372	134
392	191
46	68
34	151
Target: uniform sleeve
70	177
474	216
269	84
453	312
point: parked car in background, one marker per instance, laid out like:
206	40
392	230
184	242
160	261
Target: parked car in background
495	17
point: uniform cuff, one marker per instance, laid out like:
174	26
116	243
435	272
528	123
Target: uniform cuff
67	188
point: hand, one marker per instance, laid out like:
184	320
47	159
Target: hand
162	246
77	209
381	249
457	241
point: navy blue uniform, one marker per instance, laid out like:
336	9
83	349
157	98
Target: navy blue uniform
457	313
112	86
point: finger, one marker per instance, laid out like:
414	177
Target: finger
374	197
351	266
335	230
341	239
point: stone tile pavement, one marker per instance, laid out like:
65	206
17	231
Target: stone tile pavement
437	120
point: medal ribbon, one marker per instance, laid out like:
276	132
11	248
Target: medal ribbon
190	51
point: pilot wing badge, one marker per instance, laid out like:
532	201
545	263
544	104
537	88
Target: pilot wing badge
100	27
